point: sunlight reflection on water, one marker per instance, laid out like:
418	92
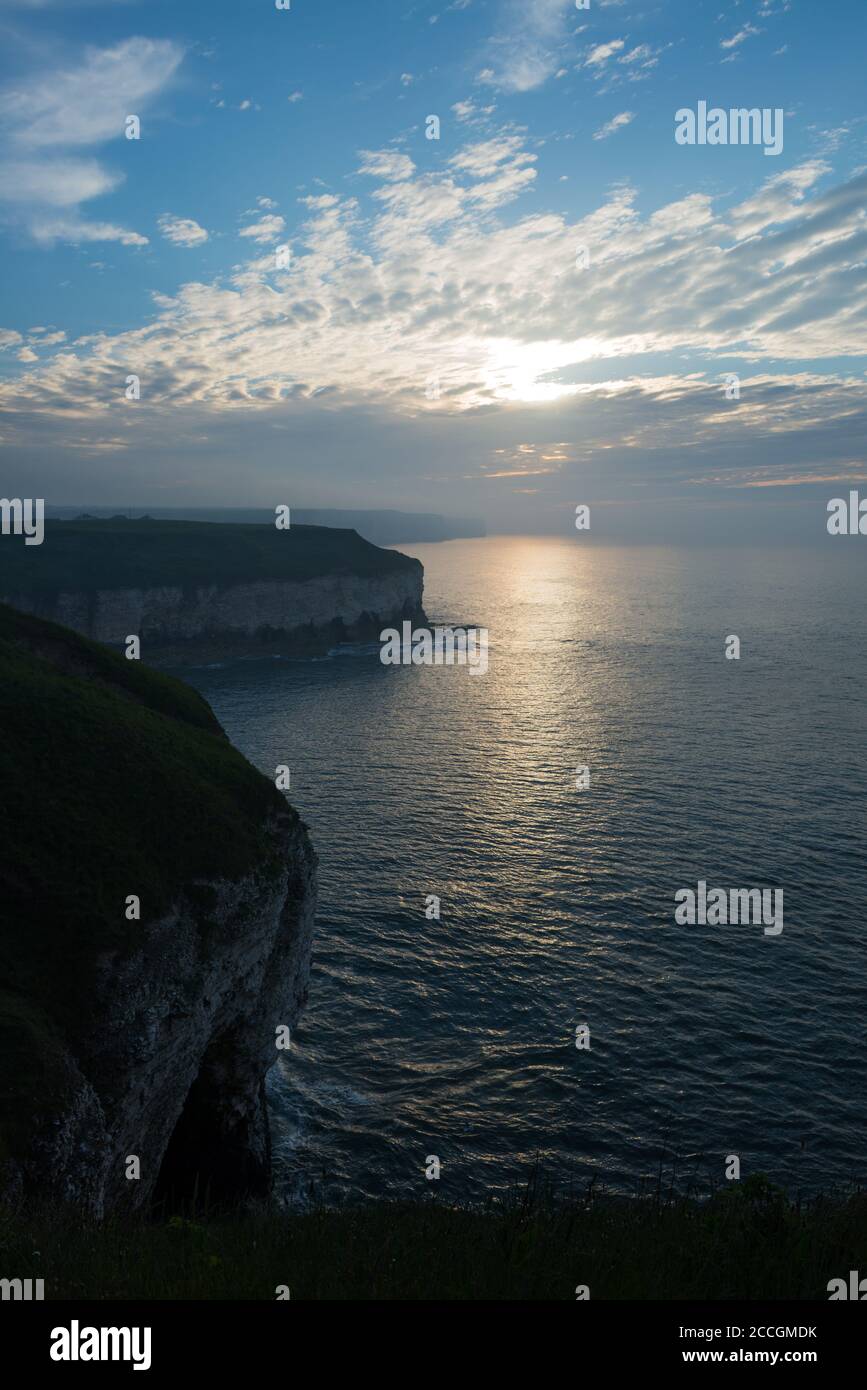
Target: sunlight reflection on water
456	1037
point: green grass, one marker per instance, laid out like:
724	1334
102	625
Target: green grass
84	556
747	1242
114	779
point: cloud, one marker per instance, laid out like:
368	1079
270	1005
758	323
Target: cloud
295	96
88	104
770	276
642	54
386	164
266	229
54	182
614	62
616	123
486	158
640	61
740	37
50	111
624	358
601	52
183	231
46	230
524	52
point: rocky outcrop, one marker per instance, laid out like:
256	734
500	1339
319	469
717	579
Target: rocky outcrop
133	1050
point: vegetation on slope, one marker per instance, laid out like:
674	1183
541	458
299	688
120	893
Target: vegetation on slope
84	556
748	1242
114	779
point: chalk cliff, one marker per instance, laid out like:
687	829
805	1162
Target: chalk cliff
194	586
125	1038
242	616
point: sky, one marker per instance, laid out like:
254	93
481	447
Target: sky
553	302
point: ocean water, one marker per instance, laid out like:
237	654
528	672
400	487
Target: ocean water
456	1037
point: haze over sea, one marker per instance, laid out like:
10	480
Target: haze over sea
457	1037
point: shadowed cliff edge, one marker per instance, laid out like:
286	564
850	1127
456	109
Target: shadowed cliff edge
148	1038
203	590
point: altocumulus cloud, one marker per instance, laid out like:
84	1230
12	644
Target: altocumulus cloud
268	228
183	231
440	273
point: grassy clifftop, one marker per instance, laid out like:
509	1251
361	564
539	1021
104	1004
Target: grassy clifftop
114	779
140	554
749	1242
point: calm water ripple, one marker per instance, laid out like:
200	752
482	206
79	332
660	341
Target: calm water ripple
457	1037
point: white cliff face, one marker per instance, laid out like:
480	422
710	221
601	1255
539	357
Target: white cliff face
241	611
184	1030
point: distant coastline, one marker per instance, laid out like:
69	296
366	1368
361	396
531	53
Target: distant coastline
382	526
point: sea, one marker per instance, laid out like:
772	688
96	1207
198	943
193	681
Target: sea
555	1020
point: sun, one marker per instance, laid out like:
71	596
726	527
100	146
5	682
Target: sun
515	371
